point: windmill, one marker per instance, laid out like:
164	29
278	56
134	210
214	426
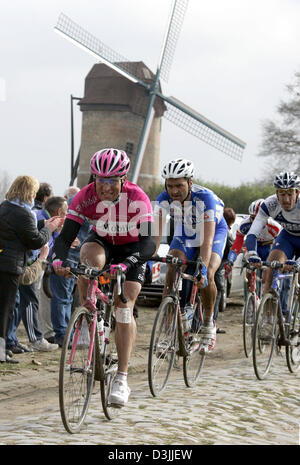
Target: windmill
177	112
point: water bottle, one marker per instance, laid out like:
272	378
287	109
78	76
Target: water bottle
101	333
190	314
185	324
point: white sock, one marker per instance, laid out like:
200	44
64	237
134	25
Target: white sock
121	375
208	321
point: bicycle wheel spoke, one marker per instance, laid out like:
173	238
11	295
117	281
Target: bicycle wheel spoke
194	360
76	376
162	346
248	324
265	336
110	367
293	350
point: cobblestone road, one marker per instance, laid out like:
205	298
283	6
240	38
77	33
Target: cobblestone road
229	406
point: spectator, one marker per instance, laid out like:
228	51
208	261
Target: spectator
62	288
30	275
54	206
229	215
18	235
70	192
45	191
29	299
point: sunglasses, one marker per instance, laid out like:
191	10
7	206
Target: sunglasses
290	191
110	181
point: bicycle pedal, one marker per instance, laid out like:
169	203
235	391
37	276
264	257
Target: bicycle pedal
118	406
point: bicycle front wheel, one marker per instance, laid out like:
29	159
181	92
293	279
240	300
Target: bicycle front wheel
162	346
265	335
193	360
292	351
110	368
248	324
76	374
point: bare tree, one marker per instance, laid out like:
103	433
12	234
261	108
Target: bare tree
5	182
281	141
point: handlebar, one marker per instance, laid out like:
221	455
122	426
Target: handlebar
179	262
93	273
274	265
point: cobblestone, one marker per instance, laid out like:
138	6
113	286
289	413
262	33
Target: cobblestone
229	406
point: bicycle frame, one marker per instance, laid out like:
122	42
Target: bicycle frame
275	290
87	353
94	294
174	293
168	337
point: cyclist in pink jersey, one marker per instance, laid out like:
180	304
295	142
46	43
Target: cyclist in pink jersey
121	216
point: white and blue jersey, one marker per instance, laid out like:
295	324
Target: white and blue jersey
288	239
190	217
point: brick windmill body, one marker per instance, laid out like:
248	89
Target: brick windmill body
113	112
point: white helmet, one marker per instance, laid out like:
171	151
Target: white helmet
254	207
178	168
287	180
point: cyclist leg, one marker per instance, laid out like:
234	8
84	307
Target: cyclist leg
177	249
209	293
93	252
125	333
282	250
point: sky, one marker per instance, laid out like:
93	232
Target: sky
232	63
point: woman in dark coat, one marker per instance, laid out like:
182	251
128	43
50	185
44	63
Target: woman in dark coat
18	235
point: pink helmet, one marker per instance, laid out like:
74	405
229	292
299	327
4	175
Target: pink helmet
110	162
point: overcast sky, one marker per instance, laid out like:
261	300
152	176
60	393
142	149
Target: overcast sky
232	63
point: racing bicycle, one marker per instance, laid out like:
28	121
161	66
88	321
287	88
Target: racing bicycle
274	330
89	352
253	298
170	338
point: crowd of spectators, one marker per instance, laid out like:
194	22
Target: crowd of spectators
31	217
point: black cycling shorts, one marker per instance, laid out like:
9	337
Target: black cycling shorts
117	254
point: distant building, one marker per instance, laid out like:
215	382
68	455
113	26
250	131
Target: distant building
113	110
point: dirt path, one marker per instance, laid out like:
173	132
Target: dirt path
32	386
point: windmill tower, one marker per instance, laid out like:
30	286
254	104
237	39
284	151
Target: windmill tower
177	112
113	112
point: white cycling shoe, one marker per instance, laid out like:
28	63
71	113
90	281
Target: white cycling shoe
120	392
207	339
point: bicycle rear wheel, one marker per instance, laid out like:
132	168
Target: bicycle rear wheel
193	361
76	378
292	351
110	368
248	324
265	335
162	346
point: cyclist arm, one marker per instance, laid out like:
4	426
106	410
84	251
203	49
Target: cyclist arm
159	223
160	211
206	246
257	226
65	239
145	247
236	247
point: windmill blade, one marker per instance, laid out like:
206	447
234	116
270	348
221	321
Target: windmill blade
170	41
91	44
196	124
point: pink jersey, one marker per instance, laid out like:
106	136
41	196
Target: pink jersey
117	221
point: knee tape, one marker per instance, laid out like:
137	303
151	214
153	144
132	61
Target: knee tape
123	315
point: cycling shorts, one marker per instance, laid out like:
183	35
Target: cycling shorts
117	254
288	243
263	251
183	243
